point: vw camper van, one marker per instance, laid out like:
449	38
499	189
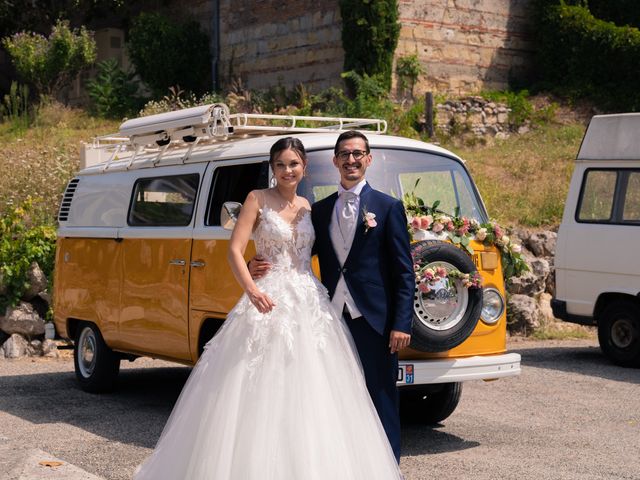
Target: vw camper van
141	265
597	267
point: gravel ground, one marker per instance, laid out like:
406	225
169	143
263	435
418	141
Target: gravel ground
570	415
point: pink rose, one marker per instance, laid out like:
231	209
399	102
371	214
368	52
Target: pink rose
425	221
437	227
450	226
415	223
424	288
498	231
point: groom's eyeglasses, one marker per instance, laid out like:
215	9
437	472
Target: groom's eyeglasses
357	154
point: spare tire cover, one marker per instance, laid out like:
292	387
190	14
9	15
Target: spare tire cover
444	317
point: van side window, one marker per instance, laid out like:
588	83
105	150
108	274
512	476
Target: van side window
163	201
232	183
631	209
596	199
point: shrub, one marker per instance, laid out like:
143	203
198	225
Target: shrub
583	56
24	239
408	69
620	12
370	32
177	99
50	63
113	91
15	108
167	54
371	98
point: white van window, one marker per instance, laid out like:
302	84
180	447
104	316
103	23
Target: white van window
163	201
596	201
232	183
610	195
631	210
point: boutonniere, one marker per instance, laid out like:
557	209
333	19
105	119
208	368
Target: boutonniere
369	220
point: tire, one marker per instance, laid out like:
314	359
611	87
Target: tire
426	406
446	316
96	365
619	332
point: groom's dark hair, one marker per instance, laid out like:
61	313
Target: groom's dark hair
348	135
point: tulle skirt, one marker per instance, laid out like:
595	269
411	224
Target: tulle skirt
279	396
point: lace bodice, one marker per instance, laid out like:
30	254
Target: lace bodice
285	245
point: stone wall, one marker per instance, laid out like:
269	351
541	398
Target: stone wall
467	45
271	42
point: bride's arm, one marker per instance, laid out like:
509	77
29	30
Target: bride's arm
237	246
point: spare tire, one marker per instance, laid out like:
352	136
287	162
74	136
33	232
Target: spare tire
444	317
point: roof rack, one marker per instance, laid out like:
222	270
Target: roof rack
156	134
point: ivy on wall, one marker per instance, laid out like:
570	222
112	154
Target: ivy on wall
370	32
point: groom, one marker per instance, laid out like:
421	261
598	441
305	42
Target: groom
365	262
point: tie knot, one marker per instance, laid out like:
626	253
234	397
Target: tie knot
349	197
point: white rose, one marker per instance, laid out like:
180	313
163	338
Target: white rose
481	234
505	239
516	249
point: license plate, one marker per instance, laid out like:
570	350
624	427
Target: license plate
405	374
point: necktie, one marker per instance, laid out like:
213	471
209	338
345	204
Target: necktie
347	216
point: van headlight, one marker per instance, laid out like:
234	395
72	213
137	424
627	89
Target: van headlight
492	306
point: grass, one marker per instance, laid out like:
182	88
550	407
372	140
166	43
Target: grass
39	161
524	179
563	331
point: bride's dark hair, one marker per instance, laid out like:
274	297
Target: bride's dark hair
286	144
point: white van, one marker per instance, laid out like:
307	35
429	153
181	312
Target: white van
597	264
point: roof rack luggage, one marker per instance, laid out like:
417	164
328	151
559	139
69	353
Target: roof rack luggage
209	124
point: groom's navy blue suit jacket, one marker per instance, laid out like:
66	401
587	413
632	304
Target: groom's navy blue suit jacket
379	269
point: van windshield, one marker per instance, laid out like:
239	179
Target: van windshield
396	172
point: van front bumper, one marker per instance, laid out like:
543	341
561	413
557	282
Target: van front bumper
489	367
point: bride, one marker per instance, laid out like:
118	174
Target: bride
278	393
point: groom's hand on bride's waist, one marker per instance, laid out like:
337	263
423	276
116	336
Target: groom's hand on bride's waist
258	267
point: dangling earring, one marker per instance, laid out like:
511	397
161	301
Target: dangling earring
273	182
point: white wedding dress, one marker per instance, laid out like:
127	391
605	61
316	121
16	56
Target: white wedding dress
278	396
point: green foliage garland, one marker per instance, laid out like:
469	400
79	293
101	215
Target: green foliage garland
370	32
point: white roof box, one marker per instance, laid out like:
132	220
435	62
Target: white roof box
612	137
169	121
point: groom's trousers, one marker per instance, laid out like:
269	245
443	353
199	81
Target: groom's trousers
381	373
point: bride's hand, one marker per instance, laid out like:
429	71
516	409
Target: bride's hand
261	301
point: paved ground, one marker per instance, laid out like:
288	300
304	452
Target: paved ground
570	415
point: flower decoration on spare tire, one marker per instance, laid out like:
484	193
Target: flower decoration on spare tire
427	222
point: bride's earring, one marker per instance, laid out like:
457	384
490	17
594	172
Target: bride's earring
273	182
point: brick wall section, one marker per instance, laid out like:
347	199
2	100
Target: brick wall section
467	45
271	42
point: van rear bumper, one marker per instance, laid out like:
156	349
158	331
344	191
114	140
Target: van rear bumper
559	308
489	367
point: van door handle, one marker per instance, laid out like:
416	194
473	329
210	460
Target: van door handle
177	261
198	263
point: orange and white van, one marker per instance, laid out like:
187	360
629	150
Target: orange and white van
141	265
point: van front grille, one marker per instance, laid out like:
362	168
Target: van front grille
65	205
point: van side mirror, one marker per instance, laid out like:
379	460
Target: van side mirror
229	214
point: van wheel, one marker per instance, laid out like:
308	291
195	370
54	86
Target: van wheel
619	333
425	406
96	365
444	317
